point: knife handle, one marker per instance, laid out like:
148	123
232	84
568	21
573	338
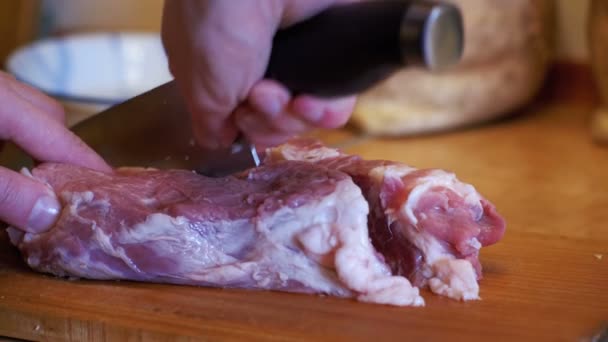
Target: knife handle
349	48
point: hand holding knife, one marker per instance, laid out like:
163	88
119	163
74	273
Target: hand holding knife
343	50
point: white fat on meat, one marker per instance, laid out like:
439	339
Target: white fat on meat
454	278
444	273
390	171
372	279
355	260
434	179
447	276
319	153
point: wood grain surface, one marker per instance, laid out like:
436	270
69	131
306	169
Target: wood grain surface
546	281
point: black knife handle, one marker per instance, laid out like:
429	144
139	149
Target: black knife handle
349	48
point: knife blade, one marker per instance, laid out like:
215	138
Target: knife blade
342	51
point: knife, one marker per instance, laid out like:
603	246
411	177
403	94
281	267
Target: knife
343	50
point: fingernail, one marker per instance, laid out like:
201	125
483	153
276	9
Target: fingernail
273	104
313	114
44	214
247	122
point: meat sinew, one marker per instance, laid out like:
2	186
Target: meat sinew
311	220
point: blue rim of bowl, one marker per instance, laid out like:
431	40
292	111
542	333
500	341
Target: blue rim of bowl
70	98
65	97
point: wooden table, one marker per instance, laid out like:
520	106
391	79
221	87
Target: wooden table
547	280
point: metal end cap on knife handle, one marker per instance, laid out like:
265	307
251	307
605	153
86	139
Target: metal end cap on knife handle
432	35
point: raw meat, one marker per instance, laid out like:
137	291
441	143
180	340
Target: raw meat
290	226
428	225
311	220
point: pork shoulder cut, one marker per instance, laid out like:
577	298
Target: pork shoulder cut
309	220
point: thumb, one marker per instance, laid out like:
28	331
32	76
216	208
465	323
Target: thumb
26	203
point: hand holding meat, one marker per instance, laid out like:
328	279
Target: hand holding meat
218	54
35	123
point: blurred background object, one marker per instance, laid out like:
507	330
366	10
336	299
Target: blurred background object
598	49
87	54
508	50
65	16
88	72
18	24
511	47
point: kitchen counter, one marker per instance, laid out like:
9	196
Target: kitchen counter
546	280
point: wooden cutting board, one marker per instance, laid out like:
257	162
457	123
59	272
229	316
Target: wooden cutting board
547	280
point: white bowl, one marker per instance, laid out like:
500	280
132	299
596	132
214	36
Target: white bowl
90	72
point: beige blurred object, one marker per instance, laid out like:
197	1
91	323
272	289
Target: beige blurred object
106	15
508	48
598	50
17	24
599	125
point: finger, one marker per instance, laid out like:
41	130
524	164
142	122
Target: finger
251	124
203	136
323	113
287	123
211	123
43	137
213	134
229	133
38	99
270	99
257	131
215	63
26	203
